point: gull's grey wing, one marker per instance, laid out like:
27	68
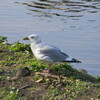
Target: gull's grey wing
54	53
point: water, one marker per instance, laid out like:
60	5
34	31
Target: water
72	25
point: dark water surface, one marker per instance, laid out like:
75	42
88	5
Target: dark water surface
73	25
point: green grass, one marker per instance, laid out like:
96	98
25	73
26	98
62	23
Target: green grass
73	86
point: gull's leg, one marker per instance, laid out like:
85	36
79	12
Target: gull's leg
48	70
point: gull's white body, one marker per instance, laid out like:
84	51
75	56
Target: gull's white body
48	53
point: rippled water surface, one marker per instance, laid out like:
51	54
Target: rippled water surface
73	25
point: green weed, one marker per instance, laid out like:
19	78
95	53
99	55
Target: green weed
3	39
20	47
98	78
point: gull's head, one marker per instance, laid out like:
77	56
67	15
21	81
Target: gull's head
34	38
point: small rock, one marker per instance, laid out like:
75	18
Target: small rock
22	72
11	92
8	78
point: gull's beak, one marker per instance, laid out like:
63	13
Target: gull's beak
26	38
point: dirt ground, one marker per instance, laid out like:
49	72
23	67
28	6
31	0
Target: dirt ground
27	84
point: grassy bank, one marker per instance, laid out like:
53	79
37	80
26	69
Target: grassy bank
64	83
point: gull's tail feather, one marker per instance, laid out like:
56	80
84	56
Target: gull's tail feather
72	60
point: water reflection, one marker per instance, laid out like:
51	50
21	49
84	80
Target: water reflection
64	8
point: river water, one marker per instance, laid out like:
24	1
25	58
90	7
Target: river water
72	25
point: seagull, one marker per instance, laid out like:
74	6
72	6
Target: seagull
48	53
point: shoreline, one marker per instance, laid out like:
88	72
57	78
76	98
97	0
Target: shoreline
64	82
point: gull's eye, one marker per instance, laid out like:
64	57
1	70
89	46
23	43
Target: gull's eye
32	37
